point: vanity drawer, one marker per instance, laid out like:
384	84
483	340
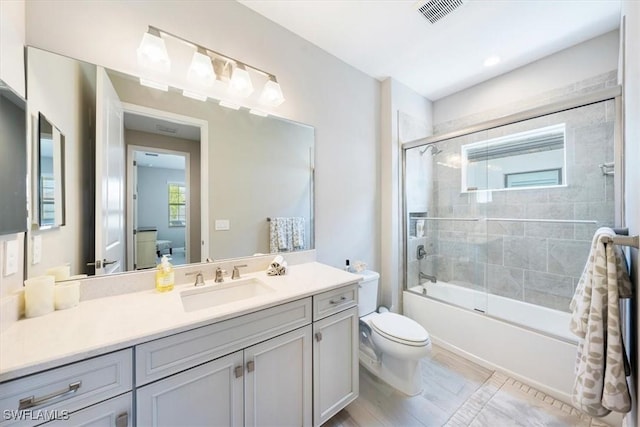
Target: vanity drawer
166	356
68	388
328	303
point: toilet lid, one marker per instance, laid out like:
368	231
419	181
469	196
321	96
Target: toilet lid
400	328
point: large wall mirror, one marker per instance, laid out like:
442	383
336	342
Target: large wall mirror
185	178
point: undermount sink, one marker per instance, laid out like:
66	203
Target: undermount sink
218	294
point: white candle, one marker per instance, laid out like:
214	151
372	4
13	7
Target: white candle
66	295
38	296
60	272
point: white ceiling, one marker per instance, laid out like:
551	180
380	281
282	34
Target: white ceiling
161	127
389	38
152	159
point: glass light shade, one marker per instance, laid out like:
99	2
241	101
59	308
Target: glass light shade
271	94
152	53
201	69
240	83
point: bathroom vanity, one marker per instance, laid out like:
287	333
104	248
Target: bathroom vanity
286	355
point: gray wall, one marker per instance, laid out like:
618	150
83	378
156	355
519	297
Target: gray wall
153	202
145	139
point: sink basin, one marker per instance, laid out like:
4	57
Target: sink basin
224	293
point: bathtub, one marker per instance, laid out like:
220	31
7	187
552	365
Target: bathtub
538	318
527	342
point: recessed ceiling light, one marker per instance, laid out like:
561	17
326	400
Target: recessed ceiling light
491	61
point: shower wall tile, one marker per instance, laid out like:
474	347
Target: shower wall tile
567	257
552	284
506	228
525	252
552	230
489	248
469	273
544	299
505	281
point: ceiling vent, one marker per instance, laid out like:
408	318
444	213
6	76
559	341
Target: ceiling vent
166	129
435	10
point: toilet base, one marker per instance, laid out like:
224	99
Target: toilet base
403	375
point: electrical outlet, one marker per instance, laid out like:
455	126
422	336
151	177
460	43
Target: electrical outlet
10	257
37	250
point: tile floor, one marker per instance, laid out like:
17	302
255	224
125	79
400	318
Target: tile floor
457	393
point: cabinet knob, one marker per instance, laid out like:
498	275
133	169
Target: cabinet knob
318	336
122	420
238	371
251	366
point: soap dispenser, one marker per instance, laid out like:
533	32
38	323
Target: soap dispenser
164	275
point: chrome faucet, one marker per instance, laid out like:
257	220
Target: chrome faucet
430	278
199	277
219	278
236	273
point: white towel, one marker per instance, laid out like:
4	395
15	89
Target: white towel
278	267
600	385
297	225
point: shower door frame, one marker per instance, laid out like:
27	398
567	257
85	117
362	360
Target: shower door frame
614	93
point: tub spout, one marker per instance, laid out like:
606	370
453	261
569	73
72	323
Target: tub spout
428	277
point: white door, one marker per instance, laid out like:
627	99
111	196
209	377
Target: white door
335	364
207	395
110	172
278	381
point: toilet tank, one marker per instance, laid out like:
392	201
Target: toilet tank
368	292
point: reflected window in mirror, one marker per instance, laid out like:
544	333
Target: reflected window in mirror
50	178
530	159
177	205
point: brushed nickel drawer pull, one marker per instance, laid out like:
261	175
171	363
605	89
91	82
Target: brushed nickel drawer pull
318	336
341	300
122	420
31	401
251	366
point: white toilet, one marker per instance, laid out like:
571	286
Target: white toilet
391	345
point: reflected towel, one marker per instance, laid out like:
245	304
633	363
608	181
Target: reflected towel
286	234
297	225
600	385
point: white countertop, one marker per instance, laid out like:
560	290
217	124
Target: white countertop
107	324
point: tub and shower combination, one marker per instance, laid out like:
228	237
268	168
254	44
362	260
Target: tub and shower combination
498	224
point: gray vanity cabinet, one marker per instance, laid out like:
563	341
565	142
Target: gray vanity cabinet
335	352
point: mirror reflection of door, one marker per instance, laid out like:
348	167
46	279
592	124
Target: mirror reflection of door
160	190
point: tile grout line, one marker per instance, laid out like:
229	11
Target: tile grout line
470	409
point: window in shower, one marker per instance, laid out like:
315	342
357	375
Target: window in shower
528	159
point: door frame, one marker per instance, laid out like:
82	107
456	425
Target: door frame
131	150
204	172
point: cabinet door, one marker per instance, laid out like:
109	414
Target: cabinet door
335	364
115	412
278	381
207	395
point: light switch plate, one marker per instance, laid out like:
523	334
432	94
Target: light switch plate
222	224
10	257
37	250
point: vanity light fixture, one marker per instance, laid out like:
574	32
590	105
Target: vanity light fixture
207	65
194	95
271	93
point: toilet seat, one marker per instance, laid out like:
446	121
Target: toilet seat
400	329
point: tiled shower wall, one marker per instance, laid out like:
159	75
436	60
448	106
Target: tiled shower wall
525	260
